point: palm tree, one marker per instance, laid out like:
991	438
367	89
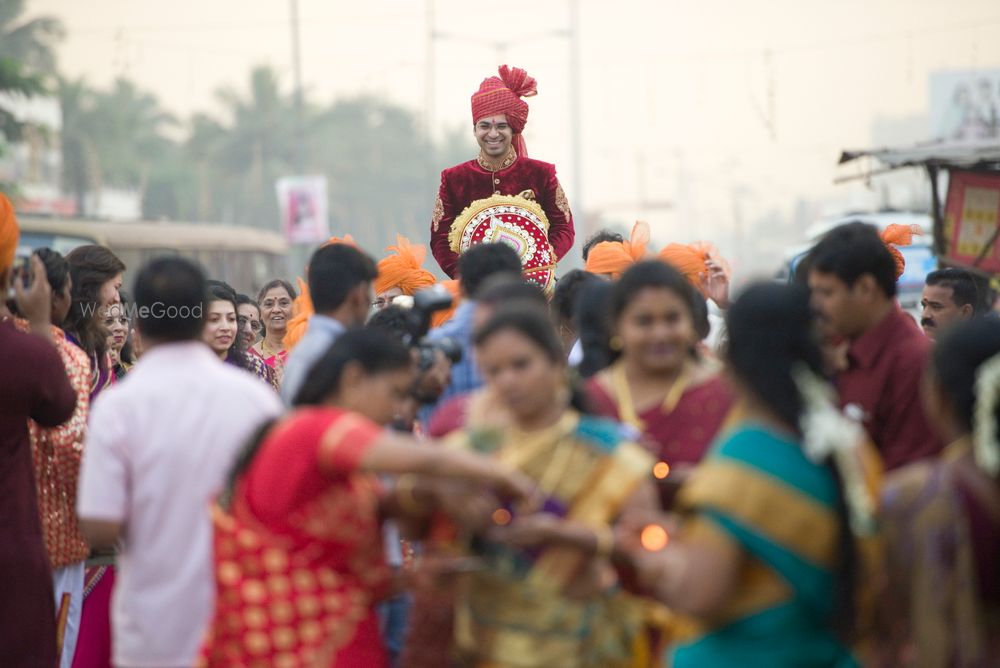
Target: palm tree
30	42
27	57
15	82
255	149
80	168
127	126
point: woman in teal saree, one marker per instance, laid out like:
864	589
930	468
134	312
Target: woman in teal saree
761	555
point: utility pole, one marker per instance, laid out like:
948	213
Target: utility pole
575	110
297	79
429	92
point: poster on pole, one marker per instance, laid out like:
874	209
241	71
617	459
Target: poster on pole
302	203
972	219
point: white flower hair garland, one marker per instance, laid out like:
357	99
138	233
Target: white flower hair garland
827	433
984	424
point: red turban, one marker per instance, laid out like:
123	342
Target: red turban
614	257
692	260
502	95
8	233
302	307
403	270
899	235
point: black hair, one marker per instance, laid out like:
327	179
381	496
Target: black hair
650	274
482	261
392	320
270	285
90	267
966	288
376	352
220	291
56	268
334	271
565	295
771	334
699	313
958	354
852	250
602	235
502	288
56	271
593	309
242	299
532	322
170	298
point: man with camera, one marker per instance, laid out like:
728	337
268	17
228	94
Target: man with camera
434	359
34	386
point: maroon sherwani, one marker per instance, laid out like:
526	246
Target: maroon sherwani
473	180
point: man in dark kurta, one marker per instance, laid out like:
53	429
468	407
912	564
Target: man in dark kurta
852	275
502	167
34	386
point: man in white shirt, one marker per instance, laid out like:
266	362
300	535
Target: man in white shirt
340	284
159	448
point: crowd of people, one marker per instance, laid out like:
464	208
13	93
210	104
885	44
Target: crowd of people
633	468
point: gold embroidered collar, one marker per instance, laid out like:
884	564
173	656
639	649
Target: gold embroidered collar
507	161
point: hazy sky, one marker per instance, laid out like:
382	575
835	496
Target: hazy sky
714	105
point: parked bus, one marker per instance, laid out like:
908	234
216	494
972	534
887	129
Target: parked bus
244	257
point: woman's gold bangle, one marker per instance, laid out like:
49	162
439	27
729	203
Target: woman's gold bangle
403	491
604	542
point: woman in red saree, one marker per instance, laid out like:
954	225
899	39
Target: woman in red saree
299	563
658	385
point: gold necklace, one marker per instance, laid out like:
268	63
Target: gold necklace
526	447
623	395
267	350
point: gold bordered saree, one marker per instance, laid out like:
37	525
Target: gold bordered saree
556	606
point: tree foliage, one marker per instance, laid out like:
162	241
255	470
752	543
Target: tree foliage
381	167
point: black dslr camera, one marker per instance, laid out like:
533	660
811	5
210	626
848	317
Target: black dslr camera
426	303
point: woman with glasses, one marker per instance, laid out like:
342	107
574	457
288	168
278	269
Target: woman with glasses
275	301
119	327
248	321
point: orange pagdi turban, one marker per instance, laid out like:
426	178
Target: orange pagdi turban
502	95
403	269
614	257
899	235
692	260
444	316
8	233
302	307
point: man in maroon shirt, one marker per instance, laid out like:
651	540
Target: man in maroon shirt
852	276
502	167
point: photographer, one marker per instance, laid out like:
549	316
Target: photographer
475	266
434	359
34	386
56	452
